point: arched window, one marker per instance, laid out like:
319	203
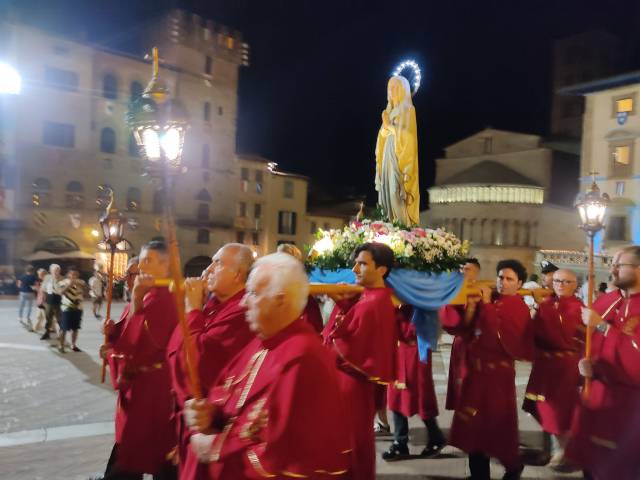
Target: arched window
135	90
74	195
203	195
206	111
110	86
158	201
133	199
41	193
103	196
203	235
134	150
203	211
205	156
108	140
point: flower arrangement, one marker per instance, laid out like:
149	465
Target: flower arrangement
415	248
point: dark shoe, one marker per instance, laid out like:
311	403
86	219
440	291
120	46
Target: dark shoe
45	336
75	349
433	449
513	474
396	452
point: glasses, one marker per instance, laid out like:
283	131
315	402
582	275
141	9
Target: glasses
563	282
618	265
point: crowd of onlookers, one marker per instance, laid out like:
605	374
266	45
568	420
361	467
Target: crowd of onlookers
51	303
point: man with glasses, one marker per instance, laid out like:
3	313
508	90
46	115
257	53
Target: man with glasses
605	432
552	392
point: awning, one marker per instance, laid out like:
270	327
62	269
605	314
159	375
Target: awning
44	255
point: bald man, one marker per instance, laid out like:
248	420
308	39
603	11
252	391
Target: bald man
219	331
276	409
552	393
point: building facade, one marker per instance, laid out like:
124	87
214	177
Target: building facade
272	207
611	152
70	141
492	189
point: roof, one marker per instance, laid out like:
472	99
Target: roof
492	131
602	84
488	172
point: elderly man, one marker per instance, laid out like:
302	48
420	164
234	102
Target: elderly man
145	433
552	392
219	331
51	285
605	433
363	333
497	331
276	409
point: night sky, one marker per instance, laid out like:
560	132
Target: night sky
312	97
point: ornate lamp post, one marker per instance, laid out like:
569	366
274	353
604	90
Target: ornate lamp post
159	124
112	224
592	206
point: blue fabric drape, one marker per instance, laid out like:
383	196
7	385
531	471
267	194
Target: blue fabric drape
425	291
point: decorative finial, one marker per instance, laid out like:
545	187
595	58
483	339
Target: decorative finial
360	214
156	89
109	208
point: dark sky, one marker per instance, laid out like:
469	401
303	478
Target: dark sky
312	97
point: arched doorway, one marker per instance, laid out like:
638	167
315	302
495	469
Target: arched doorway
195	266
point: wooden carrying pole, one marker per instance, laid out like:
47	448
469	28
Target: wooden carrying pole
589	332
108	316
175	271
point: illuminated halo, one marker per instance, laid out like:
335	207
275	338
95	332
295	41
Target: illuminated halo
417	75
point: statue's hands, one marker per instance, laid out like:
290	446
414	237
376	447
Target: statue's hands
385	118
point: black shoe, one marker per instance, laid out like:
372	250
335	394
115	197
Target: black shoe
433	449
45	336
381	430
75	349
396	452
513	474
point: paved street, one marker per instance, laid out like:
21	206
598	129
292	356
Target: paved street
56	417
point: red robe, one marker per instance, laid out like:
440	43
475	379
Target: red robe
552	392
145	432
413	391
115	361
219	332
280	412
486	420
313	315
364	336
605	433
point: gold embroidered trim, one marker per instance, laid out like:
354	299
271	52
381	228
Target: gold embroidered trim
255	463
535	397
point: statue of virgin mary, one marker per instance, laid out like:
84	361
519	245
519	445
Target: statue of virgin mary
397	156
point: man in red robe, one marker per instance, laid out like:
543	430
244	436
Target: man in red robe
412	393
552	392
363	333
145	433
218	330
605	432
457	360
276	409
497	331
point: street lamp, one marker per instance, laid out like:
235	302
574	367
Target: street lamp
10	80
159	124
592	206
112	224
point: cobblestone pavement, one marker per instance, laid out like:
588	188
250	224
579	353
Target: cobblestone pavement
56	418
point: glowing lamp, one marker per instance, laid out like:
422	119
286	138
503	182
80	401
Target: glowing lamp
592	207
10	80
158	124
325	244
